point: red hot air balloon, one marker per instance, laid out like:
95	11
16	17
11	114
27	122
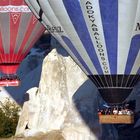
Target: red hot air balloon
19	30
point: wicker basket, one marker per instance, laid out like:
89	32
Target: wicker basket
116	119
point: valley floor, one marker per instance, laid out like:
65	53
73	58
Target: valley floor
54	135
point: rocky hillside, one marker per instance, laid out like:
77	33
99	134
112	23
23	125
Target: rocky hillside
66	101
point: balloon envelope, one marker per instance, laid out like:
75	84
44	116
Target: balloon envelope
19	30
103	37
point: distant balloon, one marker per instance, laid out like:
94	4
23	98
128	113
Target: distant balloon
19	30
103	37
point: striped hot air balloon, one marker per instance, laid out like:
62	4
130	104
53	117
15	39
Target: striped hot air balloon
103	37
19	30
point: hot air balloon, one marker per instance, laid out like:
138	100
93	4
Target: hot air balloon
19	30
103	37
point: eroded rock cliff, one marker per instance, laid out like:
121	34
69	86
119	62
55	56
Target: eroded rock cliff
65	101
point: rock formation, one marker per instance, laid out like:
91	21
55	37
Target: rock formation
66	101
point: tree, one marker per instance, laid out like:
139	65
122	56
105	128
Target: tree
8	118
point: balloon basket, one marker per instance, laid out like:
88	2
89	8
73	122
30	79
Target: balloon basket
12	80
116	119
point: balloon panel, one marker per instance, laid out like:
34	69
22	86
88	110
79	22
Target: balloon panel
47	21
103	36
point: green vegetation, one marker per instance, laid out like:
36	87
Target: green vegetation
8	118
